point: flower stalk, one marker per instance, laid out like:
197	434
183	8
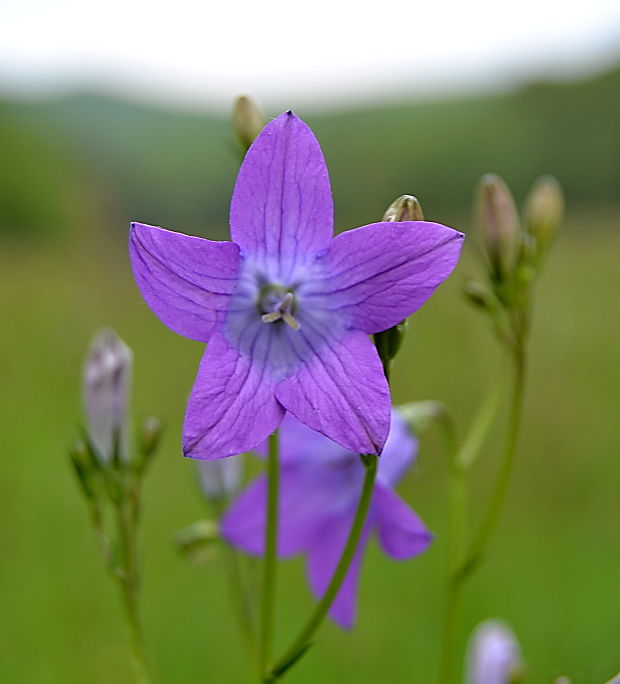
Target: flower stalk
271	556
302	641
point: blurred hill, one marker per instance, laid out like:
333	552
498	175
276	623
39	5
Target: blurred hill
89	162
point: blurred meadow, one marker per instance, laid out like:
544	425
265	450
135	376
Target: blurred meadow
74	171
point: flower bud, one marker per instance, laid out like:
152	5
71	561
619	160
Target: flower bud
151	434
405	208
196	542
248	120
479	295
544	208
220	479
493	655
106	383
388	342
496	217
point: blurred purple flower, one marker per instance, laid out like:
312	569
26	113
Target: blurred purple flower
321	485
286	309
493	654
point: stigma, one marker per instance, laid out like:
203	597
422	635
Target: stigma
283	312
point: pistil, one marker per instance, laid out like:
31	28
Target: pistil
283	312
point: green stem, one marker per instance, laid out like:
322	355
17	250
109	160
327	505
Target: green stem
490	519
239	599
271	549
316	618
462	564
458	509
129	582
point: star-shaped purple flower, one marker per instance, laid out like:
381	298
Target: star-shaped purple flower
320	490
285	308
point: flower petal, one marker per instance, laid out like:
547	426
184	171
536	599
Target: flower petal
187	281
232	407
340	391
399	453
323	557
402	534
282	205
310	495
243	524
379	274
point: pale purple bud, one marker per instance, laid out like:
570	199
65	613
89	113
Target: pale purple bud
544	209
106	386
404	208
493	655
220	479
248	120
498	220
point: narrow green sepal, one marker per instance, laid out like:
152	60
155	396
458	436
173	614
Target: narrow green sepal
481	426
85	466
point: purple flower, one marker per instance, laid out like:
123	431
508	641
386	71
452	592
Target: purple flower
286	309
320	488
493	655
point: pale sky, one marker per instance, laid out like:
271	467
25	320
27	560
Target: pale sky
289	53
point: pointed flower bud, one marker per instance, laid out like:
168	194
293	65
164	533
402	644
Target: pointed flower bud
388	342
248	120
493	655
106	384
220	479
151	433
496	217
405	208
544	209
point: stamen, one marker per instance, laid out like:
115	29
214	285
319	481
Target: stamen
291	320
283	312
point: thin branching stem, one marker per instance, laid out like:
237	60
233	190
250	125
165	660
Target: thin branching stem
462	562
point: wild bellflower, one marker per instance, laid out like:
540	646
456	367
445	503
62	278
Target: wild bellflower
286	308
321	483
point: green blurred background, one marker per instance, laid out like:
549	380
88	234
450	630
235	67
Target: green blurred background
74	171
